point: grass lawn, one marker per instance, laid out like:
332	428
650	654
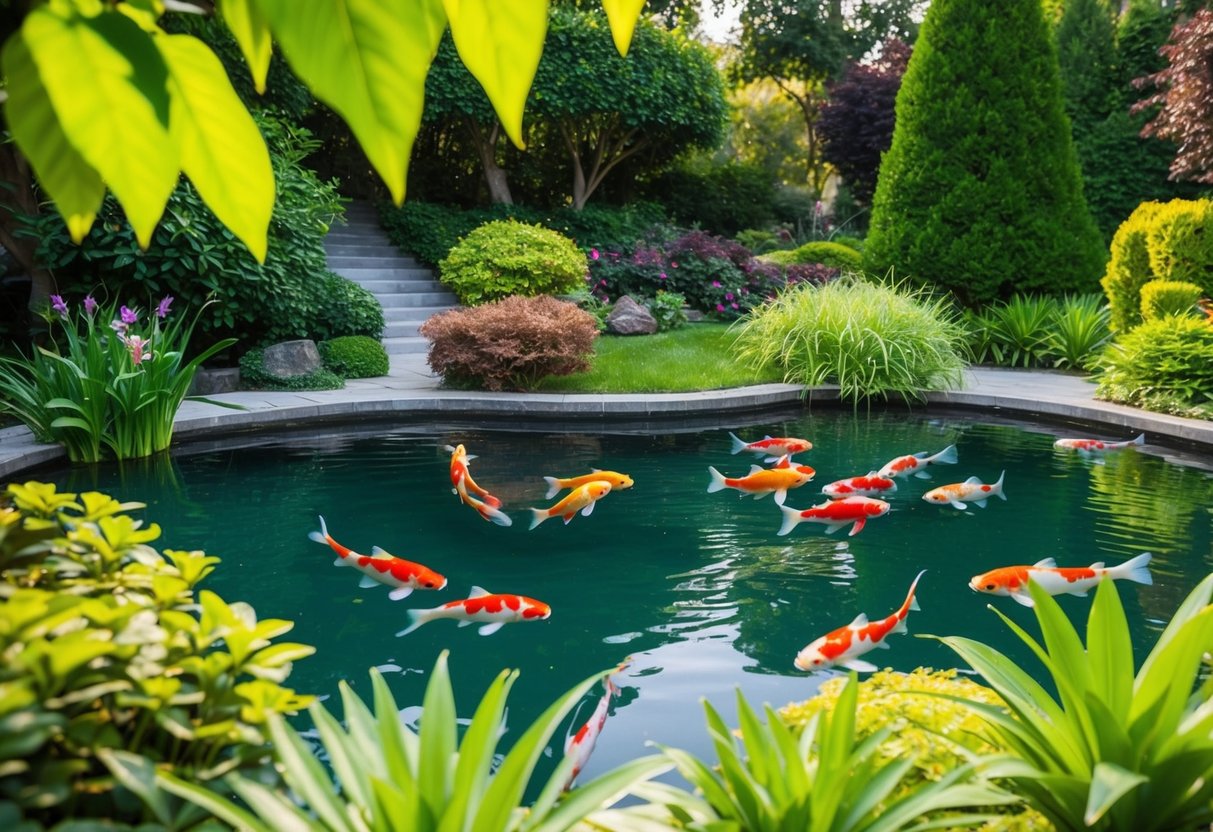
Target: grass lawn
695	357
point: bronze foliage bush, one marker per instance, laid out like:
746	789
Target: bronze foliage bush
510	344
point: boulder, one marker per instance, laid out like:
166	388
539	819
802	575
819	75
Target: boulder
291	358
628	317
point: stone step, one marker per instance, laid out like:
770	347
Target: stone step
362	275
413	313
395	261
363	250
401	287
406	346
402	329
415	299
356	238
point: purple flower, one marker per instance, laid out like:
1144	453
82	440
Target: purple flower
720	307
90	305
662	275
118	326
734	305
819	208
602	282
162	308
58	305
729	296
593	254
716	284
129	316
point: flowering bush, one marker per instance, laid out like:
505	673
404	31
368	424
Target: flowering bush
109	383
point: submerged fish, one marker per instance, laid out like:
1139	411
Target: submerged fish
1055	580
971	490
835	514
1086	447
772	447
580	745
382	568
461	477
915	463
845	645
618	481
763	481
481	606
488	512
582	498
872	485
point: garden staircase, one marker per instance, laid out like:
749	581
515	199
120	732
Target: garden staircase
408	291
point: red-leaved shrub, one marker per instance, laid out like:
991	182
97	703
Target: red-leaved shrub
510	344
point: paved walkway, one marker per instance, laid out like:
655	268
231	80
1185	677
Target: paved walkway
411	392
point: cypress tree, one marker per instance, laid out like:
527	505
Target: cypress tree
980	192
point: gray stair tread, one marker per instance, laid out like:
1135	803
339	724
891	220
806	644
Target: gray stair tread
406	299
413	313
387	273
398	346
354	262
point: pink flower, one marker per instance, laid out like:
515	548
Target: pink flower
734	306
716	284
673	265
662	275
138	349
593	254
729	296
90	305
720	307
819	208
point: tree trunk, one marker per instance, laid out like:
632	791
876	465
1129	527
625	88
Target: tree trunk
19	197
494	174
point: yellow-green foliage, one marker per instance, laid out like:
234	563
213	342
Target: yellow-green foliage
1163	298
1129	268
834	255
1181	244
505	258
1161	365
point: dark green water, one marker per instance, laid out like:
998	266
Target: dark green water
697	587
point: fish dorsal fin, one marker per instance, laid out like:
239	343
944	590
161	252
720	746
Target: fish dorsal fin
377	552
766	437
595	470
477	592
1047	563
754	469
972	481
872	474
783	462
921	455
861	620
1099	564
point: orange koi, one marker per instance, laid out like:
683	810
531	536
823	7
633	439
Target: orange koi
872	485
835	514
481	606
845	645
488	512
761	481
971	490
915	463
382	568
773	446
1055	580
582	498
462	477
1086	447
618	481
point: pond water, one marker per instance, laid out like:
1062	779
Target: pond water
696	587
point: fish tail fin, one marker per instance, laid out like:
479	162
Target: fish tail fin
911	602
738	445
321	536
791	519
1135	569
497	516
717	483
553	487
1139	440
318	537
416	619
997	489
947	456
538	515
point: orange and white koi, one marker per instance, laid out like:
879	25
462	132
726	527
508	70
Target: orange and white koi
488	512
382	568
835	514
618	481
772	446
1055	580
845	645
482	607
1086	447
971	490
580	745
461	478
872	485
582	498
915	463
761	481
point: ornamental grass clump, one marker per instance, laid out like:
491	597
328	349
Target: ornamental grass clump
872	340
109	382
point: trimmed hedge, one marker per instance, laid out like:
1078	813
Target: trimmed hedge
354	356
1164	298
506	257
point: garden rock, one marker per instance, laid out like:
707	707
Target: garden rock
291	358
630	318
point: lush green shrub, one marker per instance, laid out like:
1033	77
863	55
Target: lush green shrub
1078	331
980	192
719	198
1169	357
354	356
253	375
760	241
504	258
589	302
783	257
1039	331
116	667
1017	330
1129	267
871	340
346	309
1160	298
1180	243
427	230
511	343
666	308
829	253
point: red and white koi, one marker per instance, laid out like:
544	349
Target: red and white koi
1086	447
618	481
971	490
844	646
761	481
1055	580
835	514
916	463
488	512
461	477
773	447
482	607
580	745
583	498
872	485
382	568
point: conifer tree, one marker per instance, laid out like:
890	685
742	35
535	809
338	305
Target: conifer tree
980	192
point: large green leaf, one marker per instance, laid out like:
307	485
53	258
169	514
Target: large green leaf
252	33
1109	783
438	737
622	15
70	181
217	805
476	752
109	89
1110	650
367	59
222	151
500	44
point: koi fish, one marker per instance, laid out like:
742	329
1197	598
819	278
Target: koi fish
763	481
773	446
845	645
914	463
971	490
1013	580
582	498
481	606
580	746
618	481
382	568
1086	447
488	512
461	477
872	485
835	514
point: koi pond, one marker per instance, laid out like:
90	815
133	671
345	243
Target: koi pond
696	587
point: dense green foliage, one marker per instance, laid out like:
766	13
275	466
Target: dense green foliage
194	258
719	198
253	375
666	308
510	344
1163	298
1129	267
980	192
828	253
117	667
1162	364
507	257
354	356
872	340
1031	331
